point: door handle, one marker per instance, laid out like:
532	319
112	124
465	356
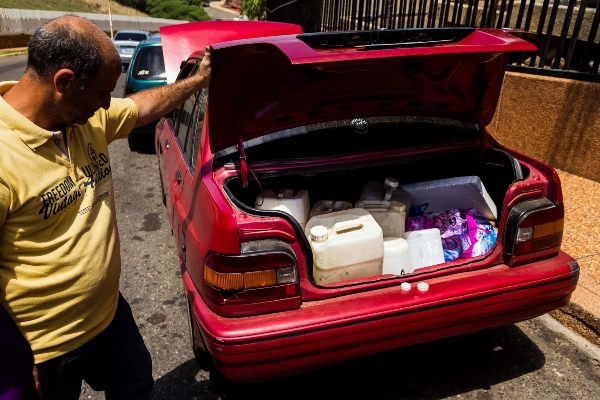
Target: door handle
167	144
178	177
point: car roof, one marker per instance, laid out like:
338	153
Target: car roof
132	31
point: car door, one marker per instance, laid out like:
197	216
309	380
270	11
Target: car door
174	166
184	209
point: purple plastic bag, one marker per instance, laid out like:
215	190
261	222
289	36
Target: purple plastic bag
465	233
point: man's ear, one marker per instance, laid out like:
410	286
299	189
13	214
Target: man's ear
64	79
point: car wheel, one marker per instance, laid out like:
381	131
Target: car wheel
201	356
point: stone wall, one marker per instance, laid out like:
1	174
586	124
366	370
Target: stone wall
552	119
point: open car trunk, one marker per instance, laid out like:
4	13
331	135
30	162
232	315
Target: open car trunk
438	152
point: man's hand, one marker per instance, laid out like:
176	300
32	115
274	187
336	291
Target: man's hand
155	103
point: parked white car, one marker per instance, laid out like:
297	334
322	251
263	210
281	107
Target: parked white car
127	41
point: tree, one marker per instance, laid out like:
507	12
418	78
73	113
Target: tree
176	9
254	9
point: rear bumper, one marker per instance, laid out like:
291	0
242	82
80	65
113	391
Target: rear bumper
329	331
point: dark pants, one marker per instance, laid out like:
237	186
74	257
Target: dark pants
116	361
16	362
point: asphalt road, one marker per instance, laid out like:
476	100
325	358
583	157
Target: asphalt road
522	361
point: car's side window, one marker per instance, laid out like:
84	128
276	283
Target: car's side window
174	116
185	124
199	118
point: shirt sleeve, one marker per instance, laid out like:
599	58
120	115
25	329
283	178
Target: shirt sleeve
4	201
119	119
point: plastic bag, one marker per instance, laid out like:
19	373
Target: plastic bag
465	233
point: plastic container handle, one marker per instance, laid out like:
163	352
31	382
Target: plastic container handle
347	226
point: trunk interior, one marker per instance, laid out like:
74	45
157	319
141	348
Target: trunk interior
496	169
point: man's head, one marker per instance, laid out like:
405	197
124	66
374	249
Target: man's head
76	64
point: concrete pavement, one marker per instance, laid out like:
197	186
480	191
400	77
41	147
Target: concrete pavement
581	239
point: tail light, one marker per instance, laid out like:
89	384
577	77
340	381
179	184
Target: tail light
533	231
263	278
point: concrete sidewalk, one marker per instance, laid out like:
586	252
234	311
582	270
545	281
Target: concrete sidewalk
581	240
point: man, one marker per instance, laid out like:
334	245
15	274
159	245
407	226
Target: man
59	245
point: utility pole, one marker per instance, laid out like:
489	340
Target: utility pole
110	20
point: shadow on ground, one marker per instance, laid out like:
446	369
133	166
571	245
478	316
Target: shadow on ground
434	370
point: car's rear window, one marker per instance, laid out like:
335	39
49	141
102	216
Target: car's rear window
137	37
149	64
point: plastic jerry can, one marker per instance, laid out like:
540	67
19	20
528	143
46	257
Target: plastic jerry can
425	247
390	215
396	256
346	245
388	190
297	205
328	206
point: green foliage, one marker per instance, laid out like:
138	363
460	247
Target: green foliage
139	5
176	9
254	9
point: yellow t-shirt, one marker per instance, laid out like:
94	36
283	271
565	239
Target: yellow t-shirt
59	246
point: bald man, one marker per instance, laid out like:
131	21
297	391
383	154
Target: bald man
59	245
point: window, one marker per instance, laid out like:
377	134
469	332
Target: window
133	36
173	118
199	118
185	123
149	64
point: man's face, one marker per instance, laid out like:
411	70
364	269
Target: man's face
79	105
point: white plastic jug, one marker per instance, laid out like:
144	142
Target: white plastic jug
425	247
388	190
297	205
396	256
346	245
328	206
390	215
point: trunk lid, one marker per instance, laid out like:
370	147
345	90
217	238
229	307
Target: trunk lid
182	40
265	85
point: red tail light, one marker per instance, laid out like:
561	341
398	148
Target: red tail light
533	231
263	278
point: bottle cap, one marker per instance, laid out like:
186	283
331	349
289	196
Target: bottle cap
391	182
318	233
422	286
405	286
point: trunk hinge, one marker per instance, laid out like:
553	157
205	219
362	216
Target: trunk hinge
480	121
243	164
238	128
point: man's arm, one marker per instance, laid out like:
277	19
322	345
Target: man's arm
155	103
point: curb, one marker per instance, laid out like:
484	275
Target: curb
13	52
590	349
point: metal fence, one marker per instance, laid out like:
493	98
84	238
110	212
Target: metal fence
565	31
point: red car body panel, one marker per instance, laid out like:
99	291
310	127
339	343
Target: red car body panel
325	324
333	330
182	40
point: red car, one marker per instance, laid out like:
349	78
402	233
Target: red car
328	112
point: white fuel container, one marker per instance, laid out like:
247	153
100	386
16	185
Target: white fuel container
328	206
425	247
396	256
346	245
388	190
297	205
390	215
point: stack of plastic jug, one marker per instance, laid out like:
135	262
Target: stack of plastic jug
328	206
396	256
297	205
382	201
346	245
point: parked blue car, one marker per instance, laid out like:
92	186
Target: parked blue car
147	70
